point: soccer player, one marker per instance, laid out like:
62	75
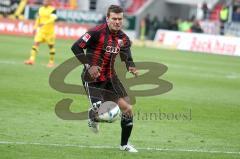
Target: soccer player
44	32
103	43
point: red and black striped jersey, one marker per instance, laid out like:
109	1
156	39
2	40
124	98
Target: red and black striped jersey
102	46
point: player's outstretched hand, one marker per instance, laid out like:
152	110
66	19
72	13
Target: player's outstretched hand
94	71
133	71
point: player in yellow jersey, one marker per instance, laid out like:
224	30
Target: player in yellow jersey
44	32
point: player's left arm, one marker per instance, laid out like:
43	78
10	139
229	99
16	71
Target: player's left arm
126	56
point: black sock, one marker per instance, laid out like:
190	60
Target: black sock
127	125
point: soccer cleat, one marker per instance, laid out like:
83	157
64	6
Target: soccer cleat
93	126
29	62
128	148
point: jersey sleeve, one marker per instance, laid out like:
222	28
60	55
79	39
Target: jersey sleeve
82	43
125	52
37	22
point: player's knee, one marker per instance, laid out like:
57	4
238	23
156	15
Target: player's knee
127	110
125	107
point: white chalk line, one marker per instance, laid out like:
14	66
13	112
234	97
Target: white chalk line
112	147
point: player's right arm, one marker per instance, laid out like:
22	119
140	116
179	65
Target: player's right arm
36	25
82	43
78	49
37	22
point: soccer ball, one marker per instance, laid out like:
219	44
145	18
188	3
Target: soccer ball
108	112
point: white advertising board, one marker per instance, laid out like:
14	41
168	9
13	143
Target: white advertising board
195	42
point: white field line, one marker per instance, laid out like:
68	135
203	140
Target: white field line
112	147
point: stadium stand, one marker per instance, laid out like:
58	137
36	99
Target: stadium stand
214	15
135	6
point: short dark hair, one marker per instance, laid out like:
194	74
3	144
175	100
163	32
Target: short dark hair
114	9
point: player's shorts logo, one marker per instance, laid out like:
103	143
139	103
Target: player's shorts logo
112	49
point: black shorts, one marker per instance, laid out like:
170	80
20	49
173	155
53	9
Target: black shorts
102	91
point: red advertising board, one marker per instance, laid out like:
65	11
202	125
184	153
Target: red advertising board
25	28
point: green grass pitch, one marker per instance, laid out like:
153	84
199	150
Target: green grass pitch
206	89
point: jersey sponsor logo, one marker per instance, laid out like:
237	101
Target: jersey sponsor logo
112	49
120	43
86	37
